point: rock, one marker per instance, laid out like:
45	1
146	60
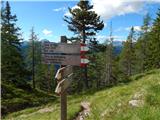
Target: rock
137	96
136	103
85	110
119	104
44	110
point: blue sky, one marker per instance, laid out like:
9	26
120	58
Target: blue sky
47	17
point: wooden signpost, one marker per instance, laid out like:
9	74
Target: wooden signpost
64	82
67	55
68	48
62	59
64	54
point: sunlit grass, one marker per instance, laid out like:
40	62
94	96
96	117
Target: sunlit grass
109	104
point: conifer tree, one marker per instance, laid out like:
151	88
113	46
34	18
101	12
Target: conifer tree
153	54
127	56
12	61
110	79
141	45
31	54
85	23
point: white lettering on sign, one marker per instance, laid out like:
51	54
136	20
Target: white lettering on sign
50	47
61	59
64	53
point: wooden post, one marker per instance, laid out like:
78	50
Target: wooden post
64	94
64	105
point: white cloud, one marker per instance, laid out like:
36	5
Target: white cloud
103	38
136	28
68	14
59	9
105	25
47	32
110	8
64	25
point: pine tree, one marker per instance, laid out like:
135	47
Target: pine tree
85	23
153	55
110	79
127	56
32	40
12	61
40	73
141	45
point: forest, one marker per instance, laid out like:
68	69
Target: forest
27	82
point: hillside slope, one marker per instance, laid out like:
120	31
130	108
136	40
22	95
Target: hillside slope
15	99
136	100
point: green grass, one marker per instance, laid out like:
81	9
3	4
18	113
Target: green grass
109	104
15	99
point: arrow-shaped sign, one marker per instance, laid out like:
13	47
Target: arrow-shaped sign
63	72
84	61
84	48
64	84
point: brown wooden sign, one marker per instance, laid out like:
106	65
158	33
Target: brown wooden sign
50	47
64	79
63	85
61	53
63	72
61	59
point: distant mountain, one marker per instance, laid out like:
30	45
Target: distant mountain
117	47
117	43
24	47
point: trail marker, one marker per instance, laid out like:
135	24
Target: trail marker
64	54
64	84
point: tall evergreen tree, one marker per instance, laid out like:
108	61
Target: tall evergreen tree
32	40
127	57
110	79
12	61
85	23
141	45
153	54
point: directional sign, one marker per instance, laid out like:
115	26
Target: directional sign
84	48
84	61
50	47
64	84
63	53
63	72
61	59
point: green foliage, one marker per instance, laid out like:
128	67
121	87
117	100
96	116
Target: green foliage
141	45
127	56
14	99
153	97
84	21
42	74
12	62
153	55
108	104
96	70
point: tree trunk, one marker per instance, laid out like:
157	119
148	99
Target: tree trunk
85	68
33	63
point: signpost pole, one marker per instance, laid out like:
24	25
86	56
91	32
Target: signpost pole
64	106
66	55
64	94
